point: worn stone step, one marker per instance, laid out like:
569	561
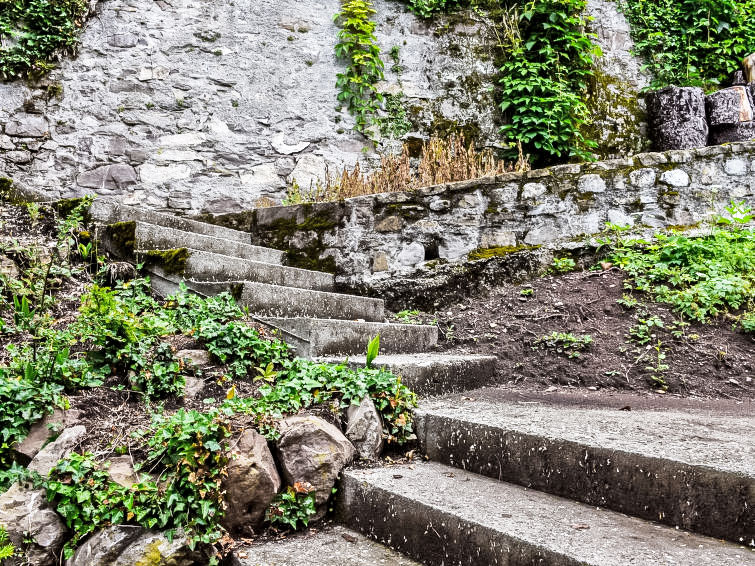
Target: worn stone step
124	237
692	469
328	545
313	337
433	374
441	515
274	300
105	211
186	264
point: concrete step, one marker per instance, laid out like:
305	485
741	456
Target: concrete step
445	516
130	235
313	337
184	264
273	300
434	374
105	211
328	545
689	469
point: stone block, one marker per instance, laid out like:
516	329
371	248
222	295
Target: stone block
677	118
729	106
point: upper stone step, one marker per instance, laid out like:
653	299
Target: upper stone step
692	469
274	300
125	237
433	374
312	337
105	211
184	264
441	515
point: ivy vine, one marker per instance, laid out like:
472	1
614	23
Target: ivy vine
357	45
691	42
34	32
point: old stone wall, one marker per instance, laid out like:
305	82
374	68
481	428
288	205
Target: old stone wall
204	106
371	240
197	106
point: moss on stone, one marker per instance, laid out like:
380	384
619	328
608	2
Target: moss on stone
65	206
172	262
152	555
122	235
308	256
6	185
487	253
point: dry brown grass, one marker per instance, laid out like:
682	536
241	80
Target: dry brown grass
441	161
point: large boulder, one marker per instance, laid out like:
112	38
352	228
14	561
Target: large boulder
251	484
126	545
677	118
364	429
46	459
36	531
312	450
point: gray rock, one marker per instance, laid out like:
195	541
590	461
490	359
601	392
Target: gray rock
677	118
40	433
729	106
728	133
27	126
46	459
310	171
123	40
19	157
314	451
121	471
411	254
748	64
675	178
364	429
199	358
8	267
125	545
119	176
26	515
591	184
251	484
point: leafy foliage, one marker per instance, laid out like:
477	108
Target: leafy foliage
364	68
6	547
564	343
186	449
545	74
35	31
691	42
293	507
700	277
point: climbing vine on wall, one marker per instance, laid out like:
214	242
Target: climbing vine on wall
357	45
548	62
692	42
33	32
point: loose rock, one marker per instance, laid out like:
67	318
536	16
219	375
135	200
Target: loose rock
46	459
125	545
365	429
677	118
251	484
313	450
26	515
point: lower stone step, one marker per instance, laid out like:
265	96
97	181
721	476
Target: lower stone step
329	545
441	516
434	374
313	337
274	300
186	264
689	469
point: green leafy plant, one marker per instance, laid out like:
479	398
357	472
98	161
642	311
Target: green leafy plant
34	31
372	350
691	42
738	214
659	368
643	331
564	343
548	61
293	507
408	316
562	265
364	68
6	547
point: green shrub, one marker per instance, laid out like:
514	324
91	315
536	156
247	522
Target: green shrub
691	42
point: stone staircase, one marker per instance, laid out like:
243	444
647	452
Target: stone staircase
506	480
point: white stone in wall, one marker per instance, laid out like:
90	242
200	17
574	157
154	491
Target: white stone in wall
675	178
154	174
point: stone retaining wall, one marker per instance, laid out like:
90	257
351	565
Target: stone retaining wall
370	241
